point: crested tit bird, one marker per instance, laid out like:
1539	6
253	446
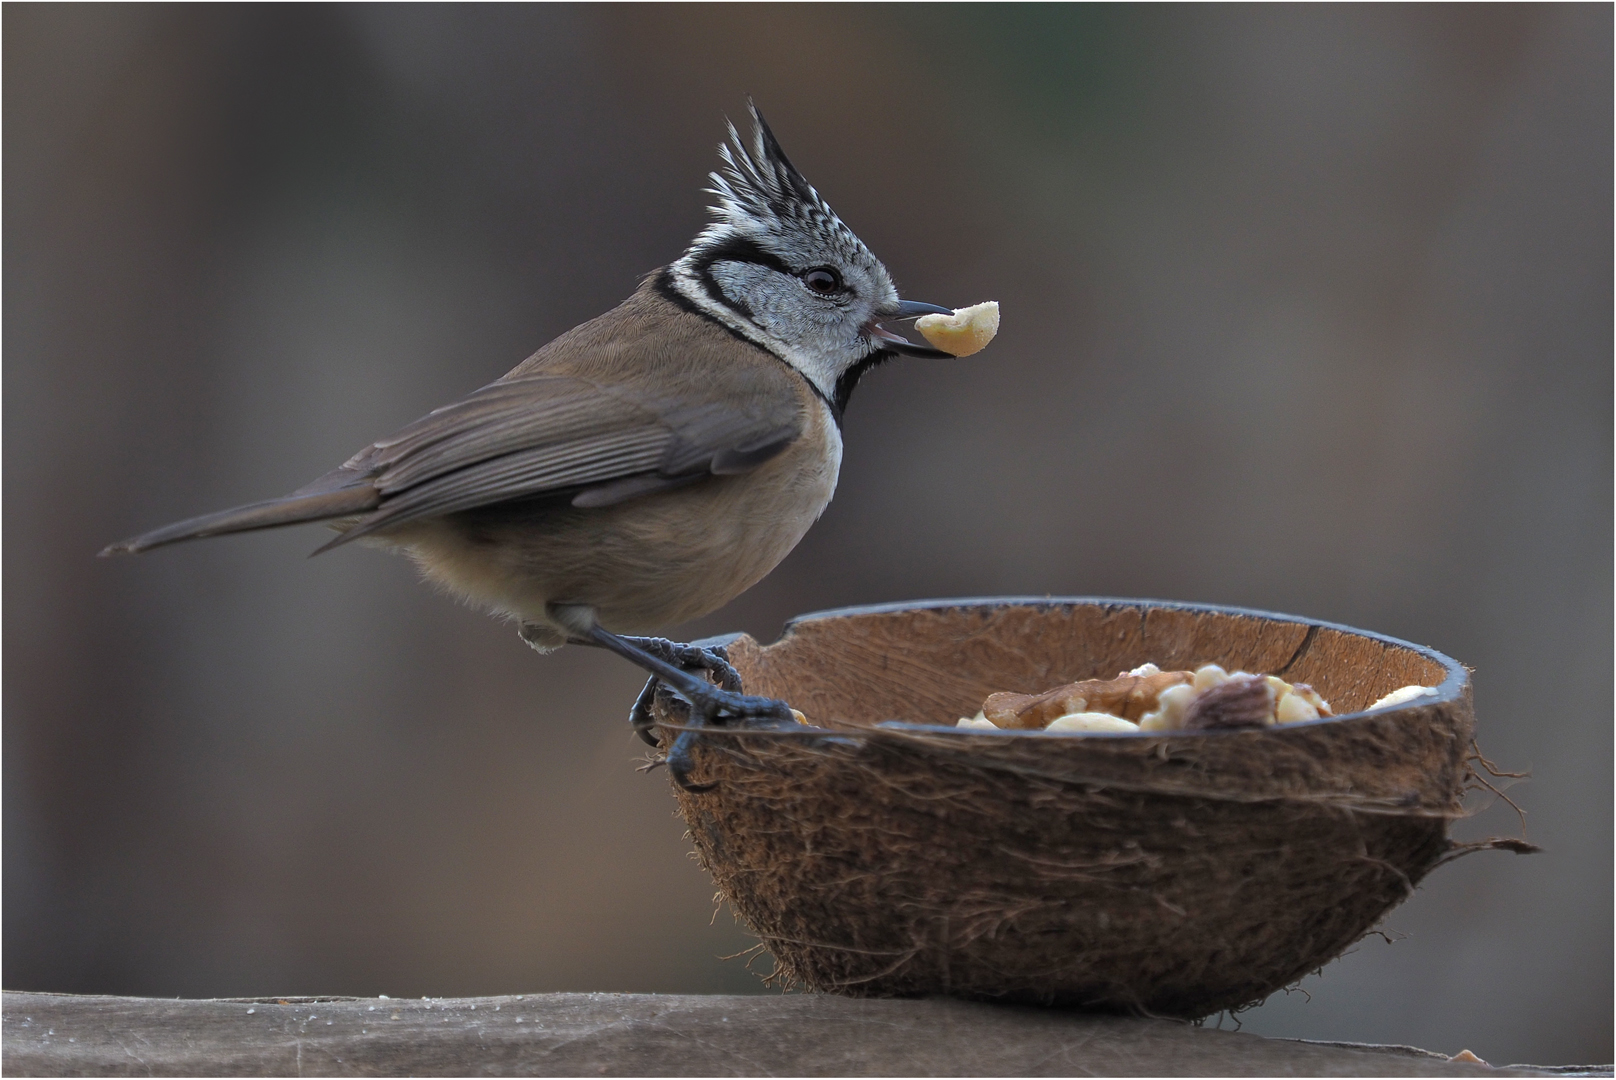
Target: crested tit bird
645	467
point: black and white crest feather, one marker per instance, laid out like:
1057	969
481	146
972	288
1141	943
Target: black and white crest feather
760	191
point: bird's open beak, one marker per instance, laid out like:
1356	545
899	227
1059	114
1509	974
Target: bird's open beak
908	309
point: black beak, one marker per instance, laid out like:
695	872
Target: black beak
890	342
914	309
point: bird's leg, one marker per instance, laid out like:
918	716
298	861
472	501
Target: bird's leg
709	704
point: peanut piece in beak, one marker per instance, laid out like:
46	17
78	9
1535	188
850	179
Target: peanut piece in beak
966	331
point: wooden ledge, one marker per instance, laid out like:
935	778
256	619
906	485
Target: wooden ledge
648	1035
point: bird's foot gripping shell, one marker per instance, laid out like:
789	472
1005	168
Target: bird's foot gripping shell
723	709
685	657
719	705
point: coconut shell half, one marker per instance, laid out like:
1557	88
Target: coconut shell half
883	851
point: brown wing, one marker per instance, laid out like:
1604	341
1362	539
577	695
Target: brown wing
552	434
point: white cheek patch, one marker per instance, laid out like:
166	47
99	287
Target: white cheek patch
687	286
743	284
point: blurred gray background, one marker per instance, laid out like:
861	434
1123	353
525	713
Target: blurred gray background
1305	308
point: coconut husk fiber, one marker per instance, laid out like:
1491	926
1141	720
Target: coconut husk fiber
886	853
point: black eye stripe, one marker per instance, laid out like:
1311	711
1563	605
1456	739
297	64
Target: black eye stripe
739	249
823	281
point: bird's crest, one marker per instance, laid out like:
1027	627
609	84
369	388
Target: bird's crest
759	194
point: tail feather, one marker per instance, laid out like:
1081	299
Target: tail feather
290	510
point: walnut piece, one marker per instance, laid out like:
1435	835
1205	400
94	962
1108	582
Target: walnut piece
1240	701
1127	696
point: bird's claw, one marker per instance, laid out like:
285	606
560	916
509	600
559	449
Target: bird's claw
721	709
710	704
680	765
749	707
688	657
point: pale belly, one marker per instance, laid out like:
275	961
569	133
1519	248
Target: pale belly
643	565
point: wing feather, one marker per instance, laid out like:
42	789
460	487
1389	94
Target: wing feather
523	474
526	437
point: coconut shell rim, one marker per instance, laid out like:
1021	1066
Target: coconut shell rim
1452	688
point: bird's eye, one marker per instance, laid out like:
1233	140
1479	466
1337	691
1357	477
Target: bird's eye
823	280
